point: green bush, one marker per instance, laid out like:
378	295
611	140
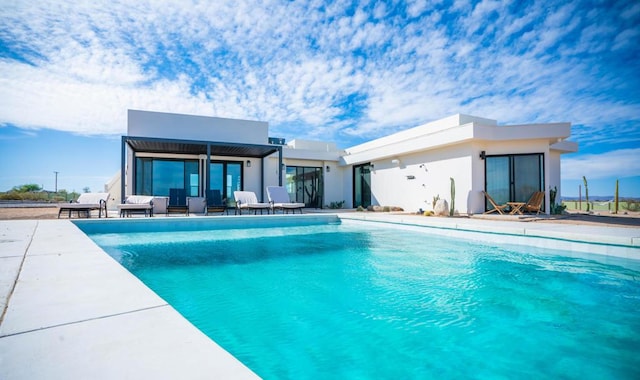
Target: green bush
336	205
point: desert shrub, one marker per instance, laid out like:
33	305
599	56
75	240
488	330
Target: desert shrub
336	205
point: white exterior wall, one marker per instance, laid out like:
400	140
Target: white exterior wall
554	176
198	128
392	184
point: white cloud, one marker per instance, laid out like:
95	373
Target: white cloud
78	67
614	164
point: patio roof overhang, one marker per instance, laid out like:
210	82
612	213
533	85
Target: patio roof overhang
193	147
214	148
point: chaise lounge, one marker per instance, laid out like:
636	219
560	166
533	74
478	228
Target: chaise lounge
279	199
136	204
86	203
247	200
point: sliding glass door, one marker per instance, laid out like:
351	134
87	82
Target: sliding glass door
225	176
513	178
304	185
362	185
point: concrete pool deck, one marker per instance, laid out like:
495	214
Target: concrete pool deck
71	311
75	313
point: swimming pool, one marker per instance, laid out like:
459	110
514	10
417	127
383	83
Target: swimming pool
362	300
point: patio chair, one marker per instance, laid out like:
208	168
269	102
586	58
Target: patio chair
279	199
178	201
215	203
496	207
136	204
86	203
247	200
534	204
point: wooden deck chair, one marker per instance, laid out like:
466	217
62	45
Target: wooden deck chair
178	201
496	207
534	204
215	203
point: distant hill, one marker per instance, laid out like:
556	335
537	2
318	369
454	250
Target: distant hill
600	198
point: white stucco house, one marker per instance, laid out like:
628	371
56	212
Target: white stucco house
406	169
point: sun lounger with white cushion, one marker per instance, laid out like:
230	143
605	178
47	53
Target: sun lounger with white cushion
279	199
136	204
86	203
247	200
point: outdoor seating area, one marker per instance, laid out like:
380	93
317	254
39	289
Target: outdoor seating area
213	203
85	204
533	205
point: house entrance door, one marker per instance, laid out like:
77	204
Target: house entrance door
362	185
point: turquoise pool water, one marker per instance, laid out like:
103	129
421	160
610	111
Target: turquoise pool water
358	301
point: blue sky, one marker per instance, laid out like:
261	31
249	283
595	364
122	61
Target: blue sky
343	72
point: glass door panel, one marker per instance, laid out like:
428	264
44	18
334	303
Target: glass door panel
527	176
216	177
497	177
192	178
362	185
167	175
233	179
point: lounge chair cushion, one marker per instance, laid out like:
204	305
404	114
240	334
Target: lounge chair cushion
279	197
248	199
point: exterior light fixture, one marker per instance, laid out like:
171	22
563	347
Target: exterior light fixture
248	163
483	155
328	168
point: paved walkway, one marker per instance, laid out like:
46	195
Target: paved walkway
75	313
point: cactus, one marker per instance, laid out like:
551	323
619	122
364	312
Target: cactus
586	191
615	199
453	197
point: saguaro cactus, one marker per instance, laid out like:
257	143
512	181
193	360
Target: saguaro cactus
586	191
615	199
453	197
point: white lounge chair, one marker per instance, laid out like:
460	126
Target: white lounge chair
86	203
247	200
279	199
136	204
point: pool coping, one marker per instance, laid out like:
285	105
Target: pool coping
74	312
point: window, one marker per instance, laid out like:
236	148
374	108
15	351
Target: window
156	176
513	178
